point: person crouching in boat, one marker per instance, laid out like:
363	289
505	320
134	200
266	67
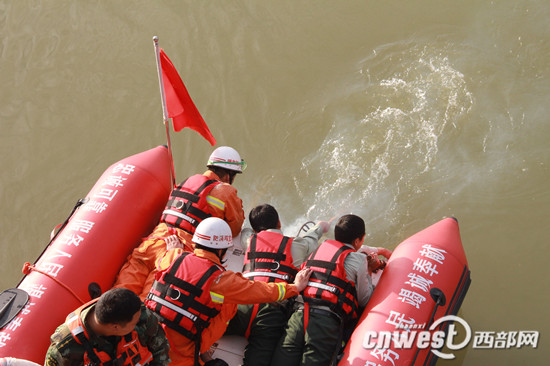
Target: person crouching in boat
195	297
270	257
114	329
339	286
198	197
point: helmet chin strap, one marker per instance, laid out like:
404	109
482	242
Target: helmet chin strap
231	178
221	255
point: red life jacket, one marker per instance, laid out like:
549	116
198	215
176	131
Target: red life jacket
268	258
328	284
181	295
130	351
187	205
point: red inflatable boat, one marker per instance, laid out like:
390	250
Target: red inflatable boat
124	205
425	279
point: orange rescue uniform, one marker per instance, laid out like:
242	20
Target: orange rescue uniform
138	273
233	289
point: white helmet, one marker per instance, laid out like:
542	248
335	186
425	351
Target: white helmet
213	232
228	158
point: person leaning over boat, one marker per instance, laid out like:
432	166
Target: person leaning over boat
314	331
195	297
270	257
198	197
115	329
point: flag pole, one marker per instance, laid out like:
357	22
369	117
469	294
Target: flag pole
164	109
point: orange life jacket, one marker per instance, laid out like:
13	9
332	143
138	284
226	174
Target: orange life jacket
268	258
328	284
181	295
187	205
130	351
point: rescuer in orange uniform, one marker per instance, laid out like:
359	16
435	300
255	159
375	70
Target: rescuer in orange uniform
196	297
198	197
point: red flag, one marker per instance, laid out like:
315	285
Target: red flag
180	107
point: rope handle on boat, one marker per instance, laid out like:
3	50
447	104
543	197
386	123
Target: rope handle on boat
27	268
56	230
309	224
55	233
305	227
440	300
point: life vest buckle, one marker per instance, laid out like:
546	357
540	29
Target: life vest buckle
173	290
277	266
178	204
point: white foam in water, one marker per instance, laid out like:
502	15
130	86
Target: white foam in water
372	165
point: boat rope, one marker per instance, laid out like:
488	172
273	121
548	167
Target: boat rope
305	227
27	268
59	228
56	230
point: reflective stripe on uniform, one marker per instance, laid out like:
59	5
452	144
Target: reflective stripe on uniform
267	274
322	286
145	362
72	318
282	291
76	331
217	298
216	202
180	215
171	306
129	344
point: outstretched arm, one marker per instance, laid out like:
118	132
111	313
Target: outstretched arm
376	250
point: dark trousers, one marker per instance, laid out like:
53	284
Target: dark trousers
317	345
265	331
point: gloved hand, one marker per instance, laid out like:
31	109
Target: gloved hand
173	242
216	362
325	225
